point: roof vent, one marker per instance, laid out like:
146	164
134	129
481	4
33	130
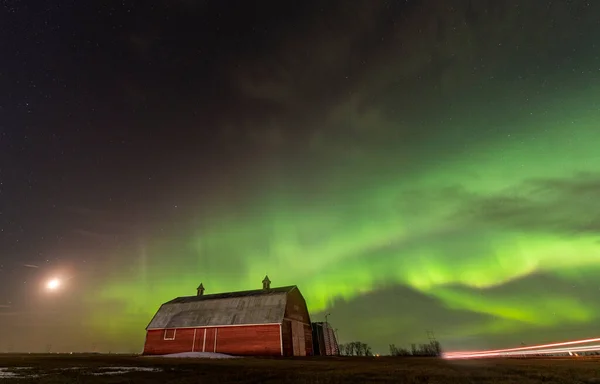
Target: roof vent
266	283
200	290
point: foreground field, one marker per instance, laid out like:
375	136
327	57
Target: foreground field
45	369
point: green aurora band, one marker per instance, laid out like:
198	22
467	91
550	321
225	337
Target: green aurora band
462	232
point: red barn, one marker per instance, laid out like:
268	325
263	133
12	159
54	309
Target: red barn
267	322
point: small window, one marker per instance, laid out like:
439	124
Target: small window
170	334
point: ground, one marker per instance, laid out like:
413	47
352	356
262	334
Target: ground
45	369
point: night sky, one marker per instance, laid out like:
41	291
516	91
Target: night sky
410	165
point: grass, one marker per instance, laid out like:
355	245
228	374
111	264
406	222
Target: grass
47	369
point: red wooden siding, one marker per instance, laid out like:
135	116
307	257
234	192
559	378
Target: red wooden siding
297	310
288	338
249	340
286	335
169	334
157	345
199	341
261	340
209	345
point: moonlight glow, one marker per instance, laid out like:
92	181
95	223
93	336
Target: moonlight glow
53	284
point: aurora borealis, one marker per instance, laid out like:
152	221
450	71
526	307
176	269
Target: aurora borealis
411	166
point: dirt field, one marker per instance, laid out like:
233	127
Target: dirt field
66	369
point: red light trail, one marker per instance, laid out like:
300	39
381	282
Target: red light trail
542	349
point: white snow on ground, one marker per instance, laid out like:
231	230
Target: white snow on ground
4	374
122	370
13	372
199	355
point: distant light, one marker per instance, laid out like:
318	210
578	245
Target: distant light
53	284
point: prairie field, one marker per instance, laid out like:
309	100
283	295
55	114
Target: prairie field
59	368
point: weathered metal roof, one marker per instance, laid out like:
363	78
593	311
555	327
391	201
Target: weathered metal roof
226	295
232	308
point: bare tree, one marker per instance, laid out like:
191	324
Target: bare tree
355	348
432	349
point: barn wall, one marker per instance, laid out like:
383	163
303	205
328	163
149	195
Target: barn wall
156	345
199	342
295	308
308	339
261	340
286	334
209	346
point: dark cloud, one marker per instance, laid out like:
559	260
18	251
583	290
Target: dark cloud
555	205
368	73
409	314
565	205
405	319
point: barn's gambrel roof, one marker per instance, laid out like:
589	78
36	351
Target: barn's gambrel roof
257	306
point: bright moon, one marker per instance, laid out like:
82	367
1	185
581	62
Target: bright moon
53	284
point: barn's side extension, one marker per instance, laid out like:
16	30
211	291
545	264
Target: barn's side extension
268	321
324	340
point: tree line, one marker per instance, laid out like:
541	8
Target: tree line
358	348
431	349
355	348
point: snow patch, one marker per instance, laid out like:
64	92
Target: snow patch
5	373
122	370
13	373
199	355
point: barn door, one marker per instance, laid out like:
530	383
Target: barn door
301	341
298	341
199	339
209	343
295	341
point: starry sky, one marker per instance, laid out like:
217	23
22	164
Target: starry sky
410	165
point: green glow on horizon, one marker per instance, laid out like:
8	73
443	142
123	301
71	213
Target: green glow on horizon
416	231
